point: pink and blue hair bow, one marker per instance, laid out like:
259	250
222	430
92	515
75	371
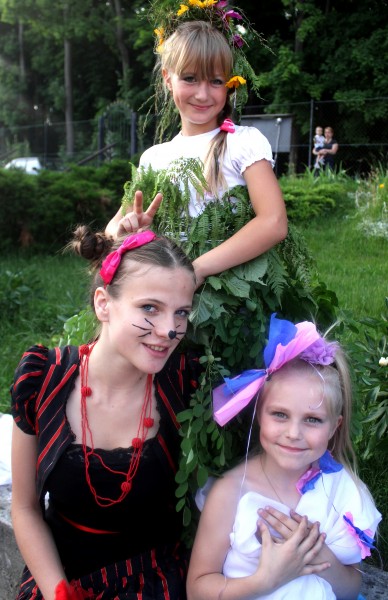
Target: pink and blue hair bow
285	342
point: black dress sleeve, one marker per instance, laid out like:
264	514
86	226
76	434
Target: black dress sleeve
28	380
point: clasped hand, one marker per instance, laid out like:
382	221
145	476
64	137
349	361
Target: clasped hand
295	552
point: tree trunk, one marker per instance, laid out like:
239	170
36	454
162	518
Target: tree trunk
123	50
22	61
68	100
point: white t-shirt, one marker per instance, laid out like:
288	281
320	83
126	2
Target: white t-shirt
333	495
245	146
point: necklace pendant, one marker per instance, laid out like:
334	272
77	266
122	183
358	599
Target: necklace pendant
126	486
137	443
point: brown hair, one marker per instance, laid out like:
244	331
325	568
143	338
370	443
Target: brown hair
95	246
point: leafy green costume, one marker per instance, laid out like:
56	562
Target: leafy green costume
231	310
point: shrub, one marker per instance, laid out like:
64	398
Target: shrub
369	357
18	191
308	197
40	212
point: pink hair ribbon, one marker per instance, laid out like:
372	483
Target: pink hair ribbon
286	341
112	261
228	126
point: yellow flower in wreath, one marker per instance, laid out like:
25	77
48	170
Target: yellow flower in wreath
159	34
182	10
202	3
235	82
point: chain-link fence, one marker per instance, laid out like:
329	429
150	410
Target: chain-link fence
111	135
360	128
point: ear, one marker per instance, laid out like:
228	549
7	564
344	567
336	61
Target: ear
101	304
336	425
167	79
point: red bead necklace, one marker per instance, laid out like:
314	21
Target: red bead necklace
146	421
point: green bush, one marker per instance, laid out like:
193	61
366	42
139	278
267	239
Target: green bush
40	212
308	197
18	191
369	358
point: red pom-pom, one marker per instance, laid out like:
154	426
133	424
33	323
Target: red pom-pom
61	591
148	422
84	350
126	486
64	591
137	443
86	390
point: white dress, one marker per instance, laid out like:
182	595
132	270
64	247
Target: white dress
333	495
245	146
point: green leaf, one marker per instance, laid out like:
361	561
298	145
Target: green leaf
181	476
185	415
202	476
186	516
214	282
180	504
237	287
254	270
182	489
190	457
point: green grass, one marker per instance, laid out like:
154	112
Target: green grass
37	295
350	263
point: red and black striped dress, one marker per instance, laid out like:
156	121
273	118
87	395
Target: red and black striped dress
131	550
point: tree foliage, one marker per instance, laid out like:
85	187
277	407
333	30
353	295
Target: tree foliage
319	49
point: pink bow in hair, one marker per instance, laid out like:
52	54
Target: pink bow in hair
228	126
112	261
286	341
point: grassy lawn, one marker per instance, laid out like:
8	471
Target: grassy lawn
351	264
37	295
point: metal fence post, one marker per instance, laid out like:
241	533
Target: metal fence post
311	132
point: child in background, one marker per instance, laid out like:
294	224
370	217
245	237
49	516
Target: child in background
303	467
318	141
196	65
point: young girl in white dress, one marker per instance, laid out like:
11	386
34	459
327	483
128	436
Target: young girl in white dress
196	61
302	476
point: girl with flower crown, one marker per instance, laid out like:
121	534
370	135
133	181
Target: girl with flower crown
198	49
301	476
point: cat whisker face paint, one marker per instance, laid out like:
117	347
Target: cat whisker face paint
172	334
146	329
